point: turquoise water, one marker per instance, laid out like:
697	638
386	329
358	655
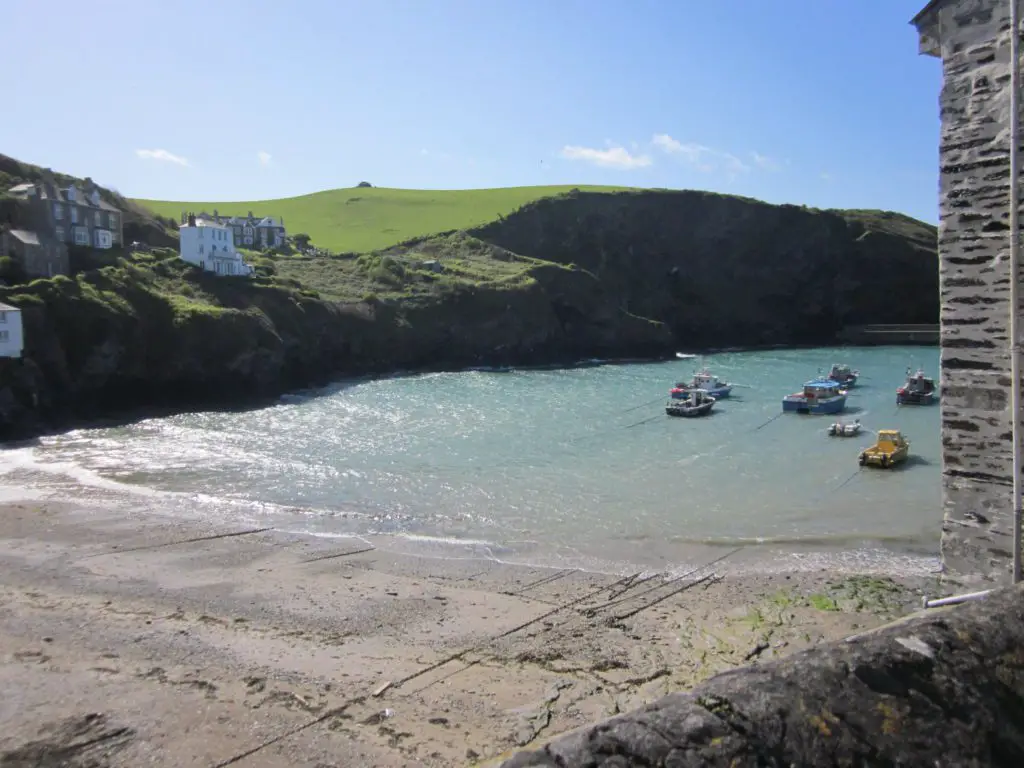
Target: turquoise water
575	467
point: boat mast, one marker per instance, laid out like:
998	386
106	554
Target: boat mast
1015	277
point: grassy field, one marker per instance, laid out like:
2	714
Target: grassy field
367	219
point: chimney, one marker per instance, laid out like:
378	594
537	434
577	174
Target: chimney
191	219
250	214
216	216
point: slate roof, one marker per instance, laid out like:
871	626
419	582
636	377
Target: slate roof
49	191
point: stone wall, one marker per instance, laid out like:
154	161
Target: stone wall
945	689
972	38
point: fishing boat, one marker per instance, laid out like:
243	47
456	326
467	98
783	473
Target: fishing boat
843	374
849	429
890	449
918	390
818	396
696	402
702	380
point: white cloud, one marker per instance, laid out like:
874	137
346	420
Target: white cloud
264	157
703	158
162	155
765	163
666	143
612	157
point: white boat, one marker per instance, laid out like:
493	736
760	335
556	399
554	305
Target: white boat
696	402
702	380
849	429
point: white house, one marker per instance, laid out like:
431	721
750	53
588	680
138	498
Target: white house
11	336
211	246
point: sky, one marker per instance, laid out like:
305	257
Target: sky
820	102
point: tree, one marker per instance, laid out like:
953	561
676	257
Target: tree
301	241
364	184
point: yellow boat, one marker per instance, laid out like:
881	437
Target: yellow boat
890	449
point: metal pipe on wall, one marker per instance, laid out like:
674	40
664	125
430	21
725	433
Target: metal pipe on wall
1015	278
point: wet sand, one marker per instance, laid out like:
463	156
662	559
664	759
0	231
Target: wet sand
140	640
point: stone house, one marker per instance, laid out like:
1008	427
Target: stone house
39	253
74	215
972	40
253	232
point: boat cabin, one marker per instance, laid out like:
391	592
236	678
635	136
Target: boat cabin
919	382
821	389
840	370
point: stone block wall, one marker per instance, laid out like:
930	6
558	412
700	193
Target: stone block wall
972	38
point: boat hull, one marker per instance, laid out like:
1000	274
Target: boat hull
688	411
679	393
799	404
915	398
845	381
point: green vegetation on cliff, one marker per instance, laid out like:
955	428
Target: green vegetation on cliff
560	279
367	218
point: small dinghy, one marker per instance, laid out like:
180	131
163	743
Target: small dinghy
850	429
696	402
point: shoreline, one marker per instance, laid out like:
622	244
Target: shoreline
152	626
26	437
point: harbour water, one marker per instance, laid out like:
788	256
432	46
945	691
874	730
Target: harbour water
568	468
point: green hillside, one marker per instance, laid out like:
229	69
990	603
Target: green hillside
362	219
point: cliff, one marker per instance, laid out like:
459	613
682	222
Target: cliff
637	274
943	689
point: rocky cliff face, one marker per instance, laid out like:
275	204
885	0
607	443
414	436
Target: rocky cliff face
727	271
626	275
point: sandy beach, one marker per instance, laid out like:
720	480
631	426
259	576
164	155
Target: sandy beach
143	640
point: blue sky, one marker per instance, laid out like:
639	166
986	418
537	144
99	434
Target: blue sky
824	102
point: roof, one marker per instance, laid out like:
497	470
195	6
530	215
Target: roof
932	5
48	191
28	238
8	308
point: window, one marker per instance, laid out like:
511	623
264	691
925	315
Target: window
71	194
74	214
113	220
81	236
58	211
4	335
3	315
202	231
98	219
201	249
59	232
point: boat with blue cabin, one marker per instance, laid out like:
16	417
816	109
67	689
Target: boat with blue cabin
843	374
818	396
703	380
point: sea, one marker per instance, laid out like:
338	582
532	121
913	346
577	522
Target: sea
571	468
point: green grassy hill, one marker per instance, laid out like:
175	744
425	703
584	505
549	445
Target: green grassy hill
362	219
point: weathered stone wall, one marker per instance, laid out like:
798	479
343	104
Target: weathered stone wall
946	689
973	39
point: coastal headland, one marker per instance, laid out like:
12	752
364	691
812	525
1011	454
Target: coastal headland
574	276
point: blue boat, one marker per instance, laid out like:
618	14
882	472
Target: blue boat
703	380
819	396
